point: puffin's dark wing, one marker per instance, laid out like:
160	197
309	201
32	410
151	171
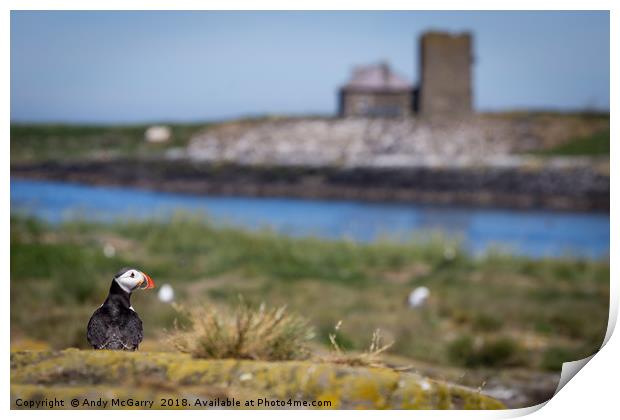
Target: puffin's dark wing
132	331
96	332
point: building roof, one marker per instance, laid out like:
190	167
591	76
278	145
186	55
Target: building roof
376	78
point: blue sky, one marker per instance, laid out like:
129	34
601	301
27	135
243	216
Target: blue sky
125	67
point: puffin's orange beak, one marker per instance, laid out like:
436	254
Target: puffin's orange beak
150	284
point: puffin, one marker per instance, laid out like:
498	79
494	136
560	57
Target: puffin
115	325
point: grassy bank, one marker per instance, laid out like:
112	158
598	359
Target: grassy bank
595	145
70	142
493	312
39	142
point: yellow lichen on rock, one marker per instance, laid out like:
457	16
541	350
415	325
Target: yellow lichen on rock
86	374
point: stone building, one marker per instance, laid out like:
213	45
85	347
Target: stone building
376	91
445	87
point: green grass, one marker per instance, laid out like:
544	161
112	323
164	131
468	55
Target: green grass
496	352
554	357
513	310
69	142
595	145
30	142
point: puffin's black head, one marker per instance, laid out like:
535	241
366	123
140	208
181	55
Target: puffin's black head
130	279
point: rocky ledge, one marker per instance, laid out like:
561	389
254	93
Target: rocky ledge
174	380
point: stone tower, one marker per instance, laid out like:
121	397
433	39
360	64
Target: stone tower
445	87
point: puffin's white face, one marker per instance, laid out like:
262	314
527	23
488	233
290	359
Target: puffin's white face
132	279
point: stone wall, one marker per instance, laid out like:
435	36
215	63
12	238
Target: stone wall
384	141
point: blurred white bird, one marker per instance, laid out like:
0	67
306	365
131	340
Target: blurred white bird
158	134
109	251
418	296
166	293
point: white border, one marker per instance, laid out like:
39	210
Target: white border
592	394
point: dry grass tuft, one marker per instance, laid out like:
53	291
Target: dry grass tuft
244	333
372	357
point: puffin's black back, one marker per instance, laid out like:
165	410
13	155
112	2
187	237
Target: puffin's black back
114	325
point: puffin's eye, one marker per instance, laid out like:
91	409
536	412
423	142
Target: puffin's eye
132	274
